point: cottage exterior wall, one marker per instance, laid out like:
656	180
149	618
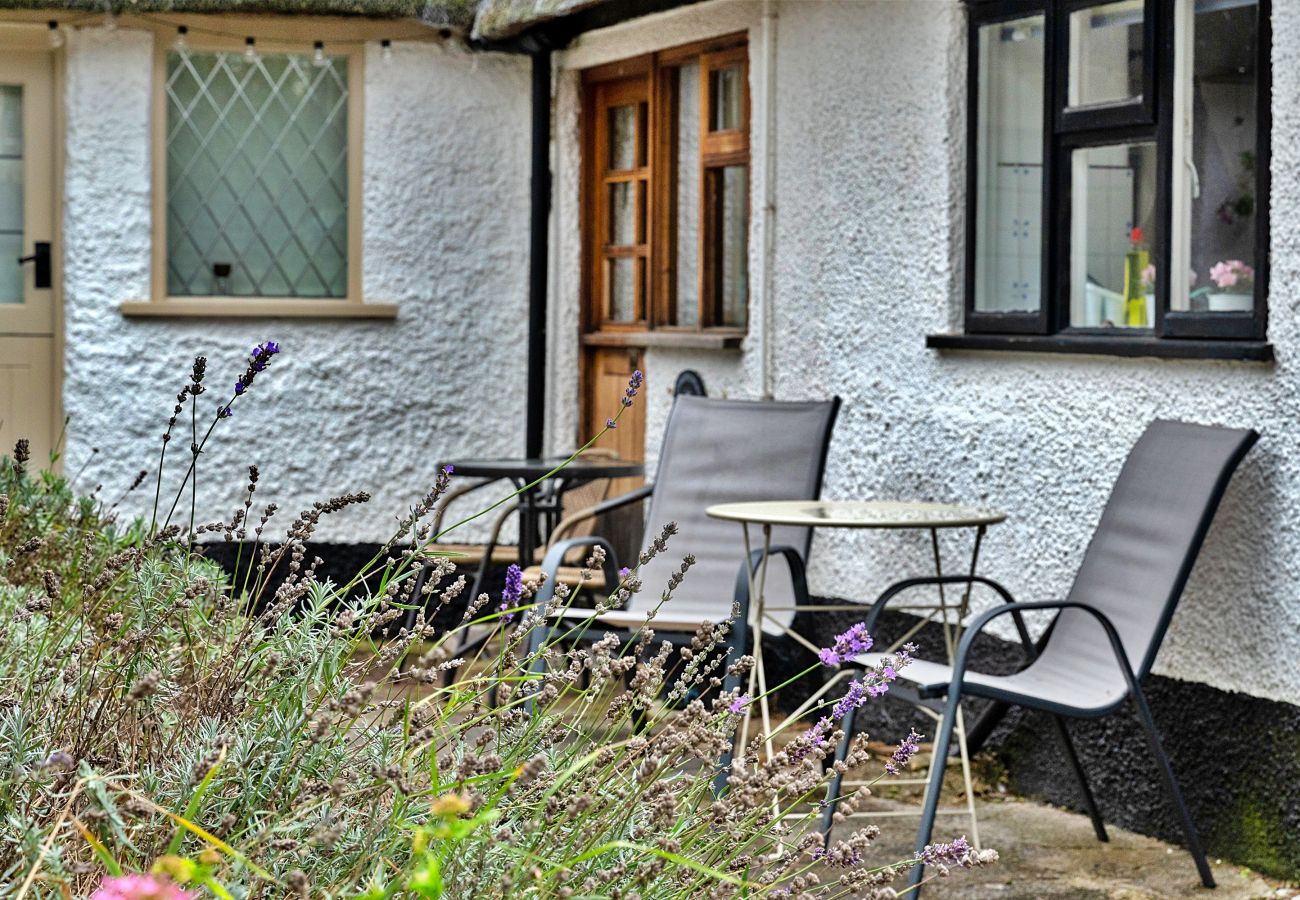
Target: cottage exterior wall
870	117
350	405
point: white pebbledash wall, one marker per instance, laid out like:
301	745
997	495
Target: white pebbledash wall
349	405
869	196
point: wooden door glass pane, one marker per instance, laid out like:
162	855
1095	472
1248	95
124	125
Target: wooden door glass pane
1112	227
1008	229
1222	146
1106	53
622	214
621	277
11	193
726	98
623	137
686	293
729	193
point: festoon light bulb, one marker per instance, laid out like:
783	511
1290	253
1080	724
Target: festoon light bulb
250	50
318	53
386	51
182	42
56	36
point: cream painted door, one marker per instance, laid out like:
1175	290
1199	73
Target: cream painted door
27	341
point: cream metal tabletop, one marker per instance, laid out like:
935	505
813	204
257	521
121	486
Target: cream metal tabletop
857	514
877	514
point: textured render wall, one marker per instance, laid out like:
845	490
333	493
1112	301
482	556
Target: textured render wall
870	117
349	405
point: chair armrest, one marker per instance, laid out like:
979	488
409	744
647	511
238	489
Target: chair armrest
907	584
555	558
456	494
566	524
973	631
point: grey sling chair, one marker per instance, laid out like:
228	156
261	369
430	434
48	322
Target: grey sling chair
1108	629
713	451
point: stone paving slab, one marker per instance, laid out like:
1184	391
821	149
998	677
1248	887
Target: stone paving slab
1047	852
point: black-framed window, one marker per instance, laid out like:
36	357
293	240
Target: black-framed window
1118	168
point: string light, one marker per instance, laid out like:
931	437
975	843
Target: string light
182	43
250	50
56	36
318	53
386	51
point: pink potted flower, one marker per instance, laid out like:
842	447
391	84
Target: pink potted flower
1236	287
139	887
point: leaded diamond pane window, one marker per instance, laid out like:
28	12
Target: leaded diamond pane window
257	175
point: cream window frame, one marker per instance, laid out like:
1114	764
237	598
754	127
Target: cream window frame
160	302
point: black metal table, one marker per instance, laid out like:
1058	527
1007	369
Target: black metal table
542	502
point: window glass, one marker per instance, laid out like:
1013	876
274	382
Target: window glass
1221	172
622	213
622	289
1106	53
729	195
1009	173
623	137
725	98
11	193
1112	226
686	288
257	175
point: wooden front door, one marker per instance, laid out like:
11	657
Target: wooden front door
615	221
28	399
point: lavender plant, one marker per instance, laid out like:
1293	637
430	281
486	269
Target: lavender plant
167	732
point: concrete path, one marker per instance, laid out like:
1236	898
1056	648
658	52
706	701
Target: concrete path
1051	853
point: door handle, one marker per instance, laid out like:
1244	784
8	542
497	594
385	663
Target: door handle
40	257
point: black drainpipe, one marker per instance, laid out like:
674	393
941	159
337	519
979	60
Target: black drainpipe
538	221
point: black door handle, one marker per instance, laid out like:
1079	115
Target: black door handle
41	257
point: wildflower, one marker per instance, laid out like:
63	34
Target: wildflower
610	423
448	469
739	703
139	887
847	645
224	412
196	376
450	806
513	591
906	750
239	388
22	453
624	572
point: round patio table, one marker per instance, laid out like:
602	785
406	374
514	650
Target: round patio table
542	499
877	514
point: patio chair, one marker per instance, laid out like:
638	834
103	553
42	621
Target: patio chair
713	451
1109	627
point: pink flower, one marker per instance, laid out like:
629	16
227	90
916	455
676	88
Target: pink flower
1232	273
1149	276
139	887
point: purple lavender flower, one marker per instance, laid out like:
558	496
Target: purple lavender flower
739	703
610	423
903	755
633	385
854	697
239	388
847	645
448	469
624	572
958	853
224	412
513	591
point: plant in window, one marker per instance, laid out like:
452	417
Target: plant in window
1235	281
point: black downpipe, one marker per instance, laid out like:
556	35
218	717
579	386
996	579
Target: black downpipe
538	241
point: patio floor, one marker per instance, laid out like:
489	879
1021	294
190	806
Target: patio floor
1045	852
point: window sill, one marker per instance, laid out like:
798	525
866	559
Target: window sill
254	308
716	339
1165	348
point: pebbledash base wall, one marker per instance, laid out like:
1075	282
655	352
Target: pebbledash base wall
348	405
867	125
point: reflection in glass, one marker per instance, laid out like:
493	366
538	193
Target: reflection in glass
622	214
687	269
1106	53
621	276
622	137
11	193
725	98
1112	229
1221	195
729	195
1009	167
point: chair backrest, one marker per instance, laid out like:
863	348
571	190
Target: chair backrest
1150	532
729	451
